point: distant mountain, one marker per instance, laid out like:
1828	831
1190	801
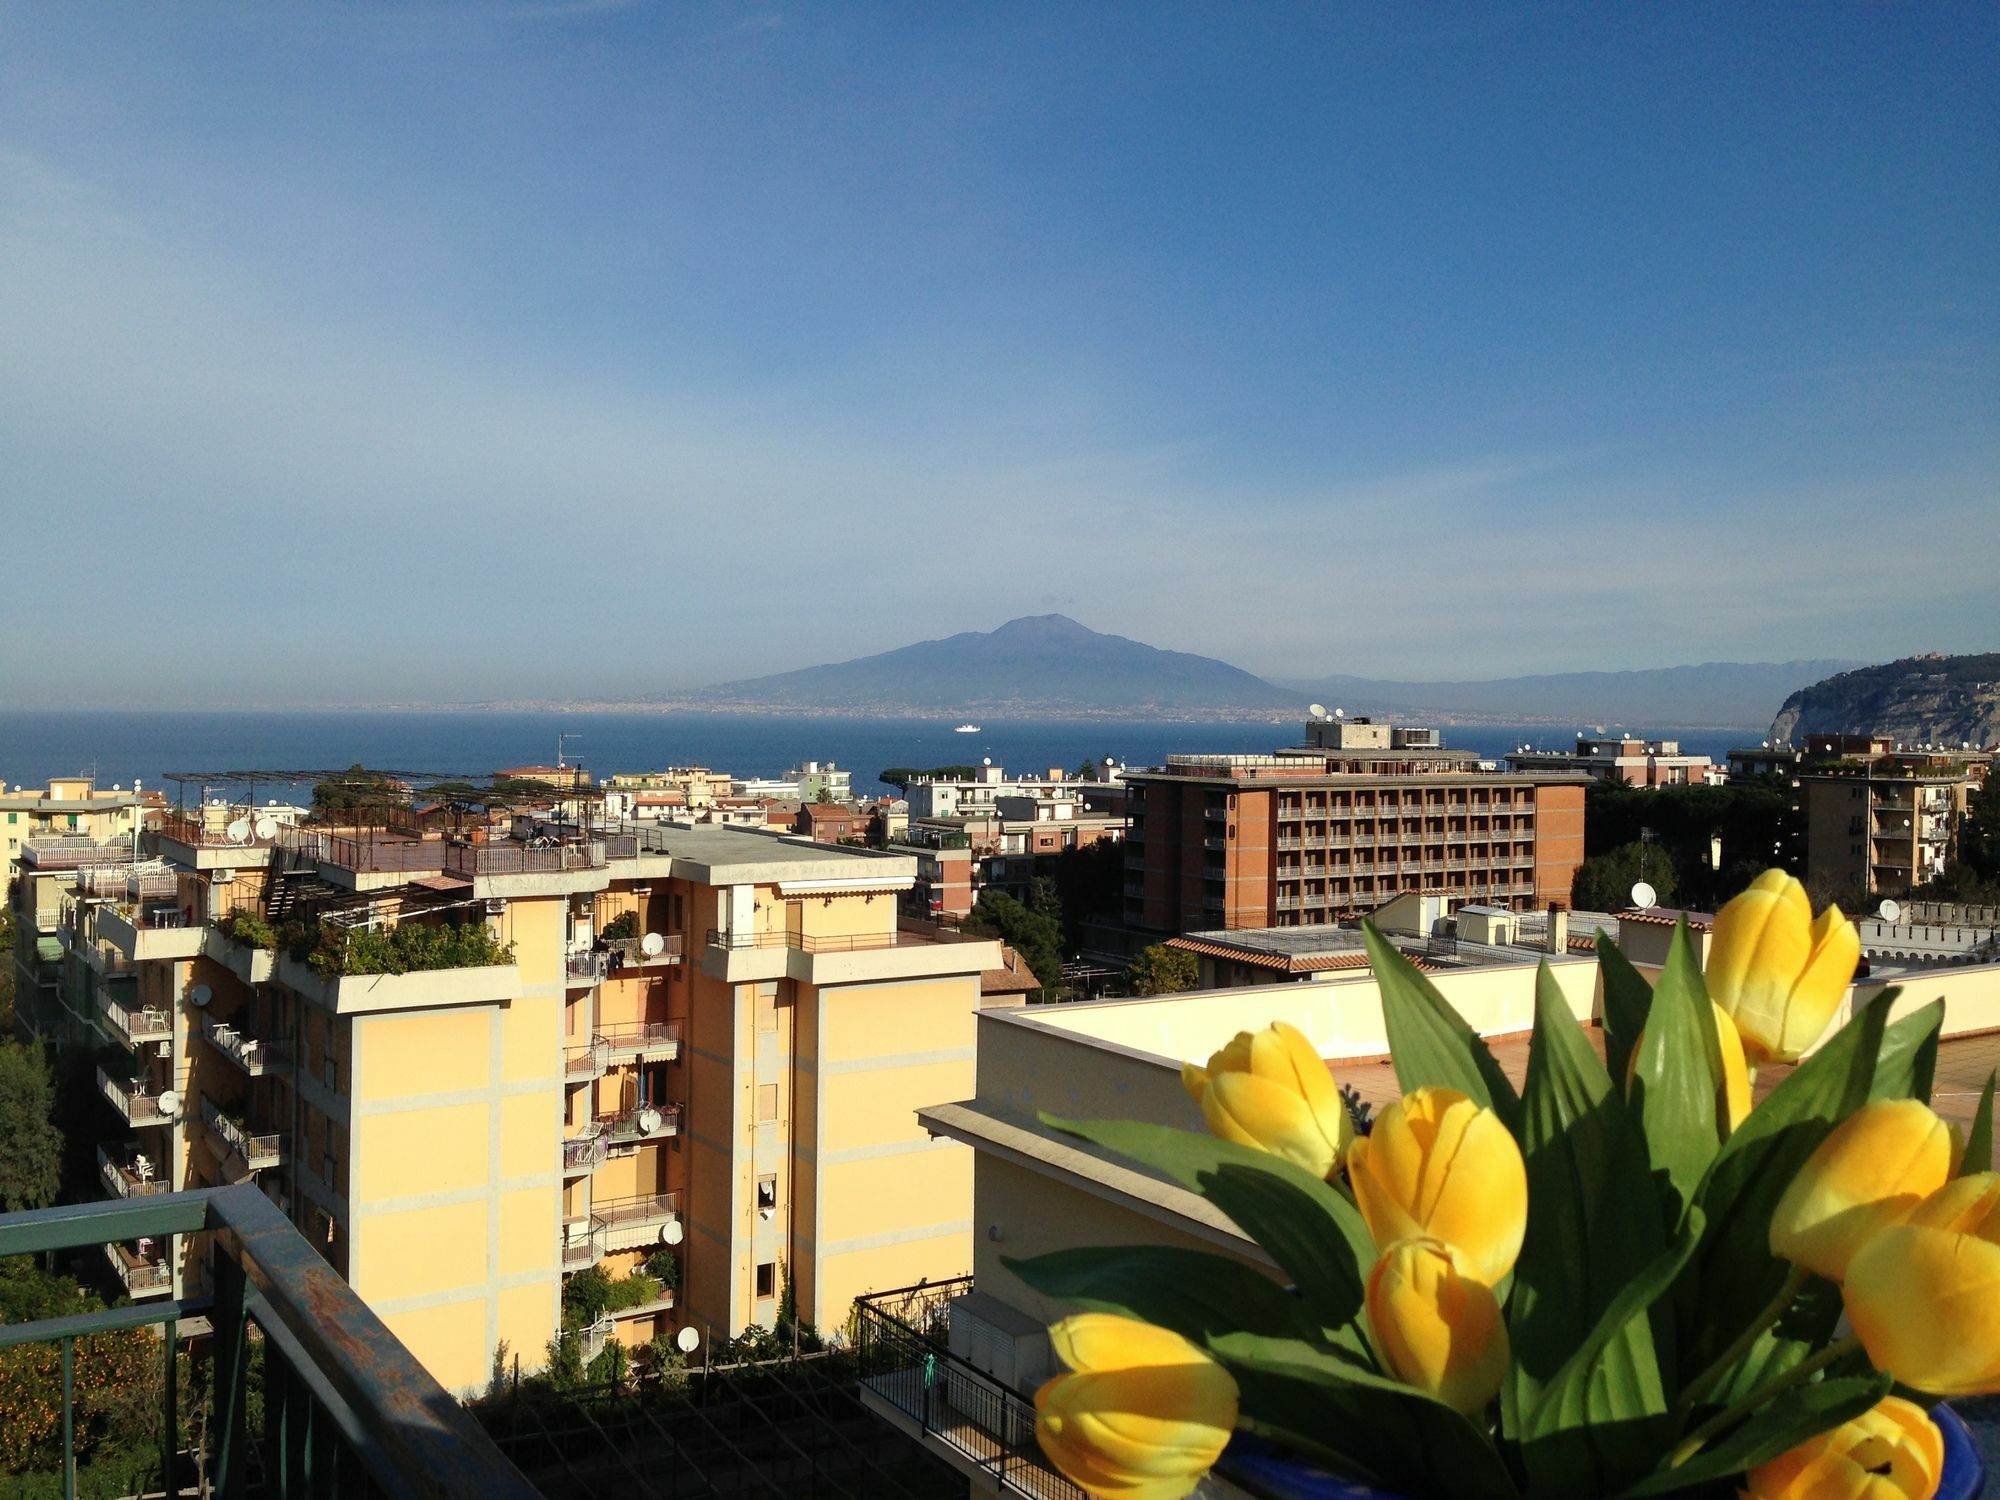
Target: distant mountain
1947	700
1045	664
1714	695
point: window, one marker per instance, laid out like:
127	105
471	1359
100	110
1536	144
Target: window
767	1278
767	1007
767	1192
767	1102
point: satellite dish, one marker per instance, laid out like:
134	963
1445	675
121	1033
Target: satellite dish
1889	911
238	831
688	1340
170	1102
673	1234
652	945
650	1120
986	760
201	994
266	828
1644	896
1317	710
1340	713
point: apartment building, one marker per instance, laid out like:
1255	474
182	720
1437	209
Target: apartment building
1331	829
1055	796
693	1050
1881	825
1625	761
69	807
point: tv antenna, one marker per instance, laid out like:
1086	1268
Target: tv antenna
562	739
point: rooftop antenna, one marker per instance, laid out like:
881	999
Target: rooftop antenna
562	739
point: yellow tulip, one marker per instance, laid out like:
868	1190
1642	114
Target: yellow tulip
1435	1328
1877	1165
1437	1166
1732	1099
1924	1295
1892	1451
1778	973
1143	1413
1270	1089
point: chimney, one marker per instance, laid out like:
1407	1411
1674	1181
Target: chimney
1558	928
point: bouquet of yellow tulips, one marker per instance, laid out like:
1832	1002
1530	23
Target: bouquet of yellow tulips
1619	1280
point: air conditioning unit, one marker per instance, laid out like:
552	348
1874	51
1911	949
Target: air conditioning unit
221	877
495	905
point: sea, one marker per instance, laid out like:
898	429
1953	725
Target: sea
184	752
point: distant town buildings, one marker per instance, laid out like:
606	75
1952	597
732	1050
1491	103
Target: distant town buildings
1624	761
1331	829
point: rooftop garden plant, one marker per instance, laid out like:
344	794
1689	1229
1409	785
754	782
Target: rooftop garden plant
406	948
1620	1279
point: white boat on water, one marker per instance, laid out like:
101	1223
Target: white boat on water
966	729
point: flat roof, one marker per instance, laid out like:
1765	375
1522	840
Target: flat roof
720	855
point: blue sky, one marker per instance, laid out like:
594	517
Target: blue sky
466	351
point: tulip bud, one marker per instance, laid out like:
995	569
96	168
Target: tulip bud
1270	1089
1143	1413
1435	1328
1778	973
1877	1165
1732	1095
1924	1295
1892	1451
1437	1166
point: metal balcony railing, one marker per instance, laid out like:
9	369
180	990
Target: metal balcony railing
804	942
134	1105
586	1150
624	1217
150	1275
581	1064
347	1409
254	1055
642	1122
659	1040
906	1365
257	1151
533	858
585	968
129	1175
137	1024
630	953
582	1245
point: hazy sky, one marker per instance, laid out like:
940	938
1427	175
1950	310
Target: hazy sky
459	351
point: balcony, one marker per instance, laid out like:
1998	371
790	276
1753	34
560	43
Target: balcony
379	1423
645	1122
253	1055
630	953
252	1151
582	1245
585	1150
148	933
912	1380
591	1340
581	1064
129	1174
585	969
632	1223
136	1024
150	1275
651	1041
134	1105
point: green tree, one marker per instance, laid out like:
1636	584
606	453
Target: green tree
1160	970
1037	938
1604	883
30	1145
1045	897
6	971
358	792
1087	771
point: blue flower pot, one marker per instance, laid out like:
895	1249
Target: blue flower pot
1274	1474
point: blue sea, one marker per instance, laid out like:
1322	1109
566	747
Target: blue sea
119	746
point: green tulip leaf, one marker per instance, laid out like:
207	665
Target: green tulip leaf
1308	1227
1906	1062
1429	1042
1678	1075
1979	1141
1594	1228
1804	1411
1805	1328
1628	999
1396	1437
1200	1296
1734	1274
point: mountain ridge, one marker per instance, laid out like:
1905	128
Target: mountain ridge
1932	699
1051	664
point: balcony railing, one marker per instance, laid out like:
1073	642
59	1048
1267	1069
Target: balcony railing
134	1105
256	1151
347	1409
907	1366
123	1175
523	859
655	1040
627	1223
586	968
582	1245
645	1122
255	1056
805	942
137	1024
586	1062
141	1275
630	953
586	1150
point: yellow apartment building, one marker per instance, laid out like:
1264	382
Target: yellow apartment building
700	1052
